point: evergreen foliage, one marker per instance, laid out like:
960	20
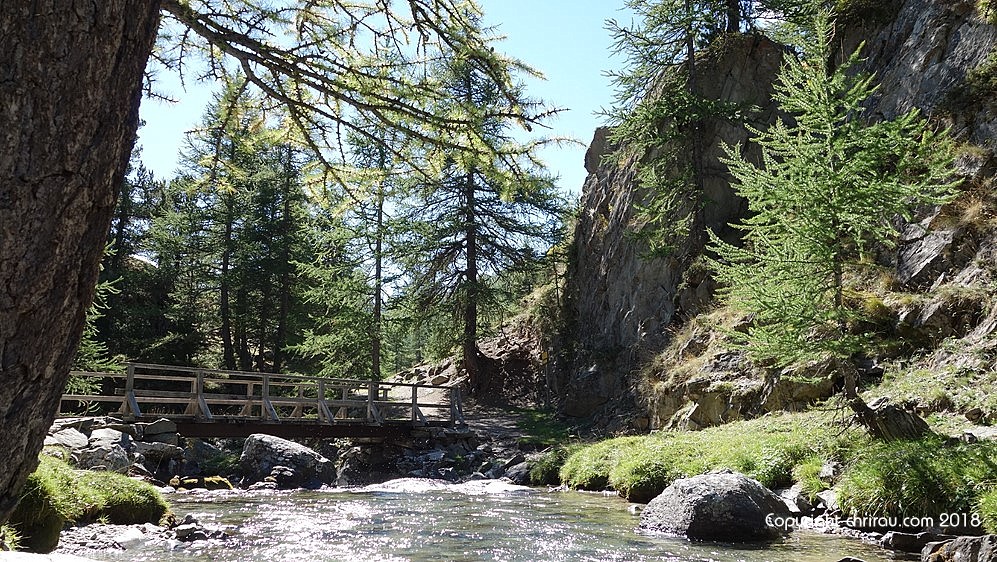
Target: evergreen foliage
475	218
658	111
829	189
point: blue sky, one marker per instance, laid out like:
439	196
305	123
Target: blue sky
564	39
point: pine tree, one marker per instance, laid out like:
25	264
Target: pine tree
829	189
478	216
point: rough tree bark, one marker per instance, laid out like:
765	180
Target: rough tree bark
70	86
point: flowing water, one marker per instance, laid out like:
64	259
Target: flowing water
423	520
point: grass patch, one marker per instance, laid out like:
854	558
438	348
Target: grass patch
10	539
927	477
950	388
986	507
807	473
768	449
541	428
545	469
56	494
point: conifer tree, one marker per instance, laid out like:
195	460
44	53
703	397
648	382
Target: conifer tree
831	184
476	216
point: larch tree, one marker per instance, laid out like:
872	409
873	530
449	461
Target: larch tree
476	216
829	189
659	109
71	77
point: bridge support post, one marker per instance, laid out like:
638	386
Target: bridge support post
130	404
268	410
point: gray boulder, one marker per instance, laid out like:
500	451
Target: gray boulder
107	449
70	438
307	469
962	549
727	507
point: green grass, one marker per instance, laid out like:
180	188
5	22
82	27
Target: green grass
939	389
540	428
927	477
56	494
986	507
807	473
768	449
10	539
545	469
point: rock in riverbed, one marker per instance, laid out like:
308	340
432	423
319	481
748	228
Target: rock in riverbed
301	467
726	507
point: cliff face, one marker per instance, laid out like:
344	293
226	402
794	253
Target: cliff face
622	300
625	307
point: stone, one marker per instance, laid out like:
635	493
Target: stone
910	542
829	499
129	537
107	437
962	549
104	457
519	473
261	453
796	501
159	426
158	451
727	507
439	380
83	425
830	471
70	438
168	438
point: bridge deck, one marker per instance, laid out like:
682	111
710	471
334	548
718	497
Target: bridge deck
216	403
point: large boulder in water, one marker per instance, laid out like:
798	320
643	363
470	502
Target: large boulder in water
962	549
297	466
727	507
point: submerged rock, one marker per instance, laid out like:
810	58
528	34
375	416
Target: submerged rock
726	507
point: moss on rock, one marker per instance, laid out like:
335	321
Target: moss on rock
56	494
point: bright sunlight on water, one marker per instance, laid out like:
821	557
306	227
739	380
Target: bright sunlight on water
424	520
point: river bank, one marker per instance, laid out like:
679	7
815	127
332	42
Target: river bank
812	468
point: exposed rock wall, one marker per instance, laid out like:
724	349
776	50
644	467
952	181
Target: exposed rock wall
623	301
624	306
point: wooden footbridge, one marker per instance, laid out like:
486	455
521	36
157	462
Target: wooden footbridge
216	403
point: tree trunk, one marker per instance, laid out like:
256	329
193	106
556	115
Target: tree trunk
225	305
470	342
70	86
284	309
881	420
375	340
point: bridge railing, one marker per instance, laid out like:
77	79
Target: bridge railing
145	390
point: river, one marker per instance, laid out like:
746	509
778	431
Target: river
424	520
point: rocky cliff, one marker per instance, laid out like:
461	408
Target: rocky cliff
633	317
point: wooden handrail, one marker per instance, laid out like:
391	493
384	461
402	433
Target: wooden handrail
298	398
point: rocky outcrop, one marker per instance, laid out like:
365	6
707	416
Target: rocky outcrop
727	507
624	304
286	463
621	300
